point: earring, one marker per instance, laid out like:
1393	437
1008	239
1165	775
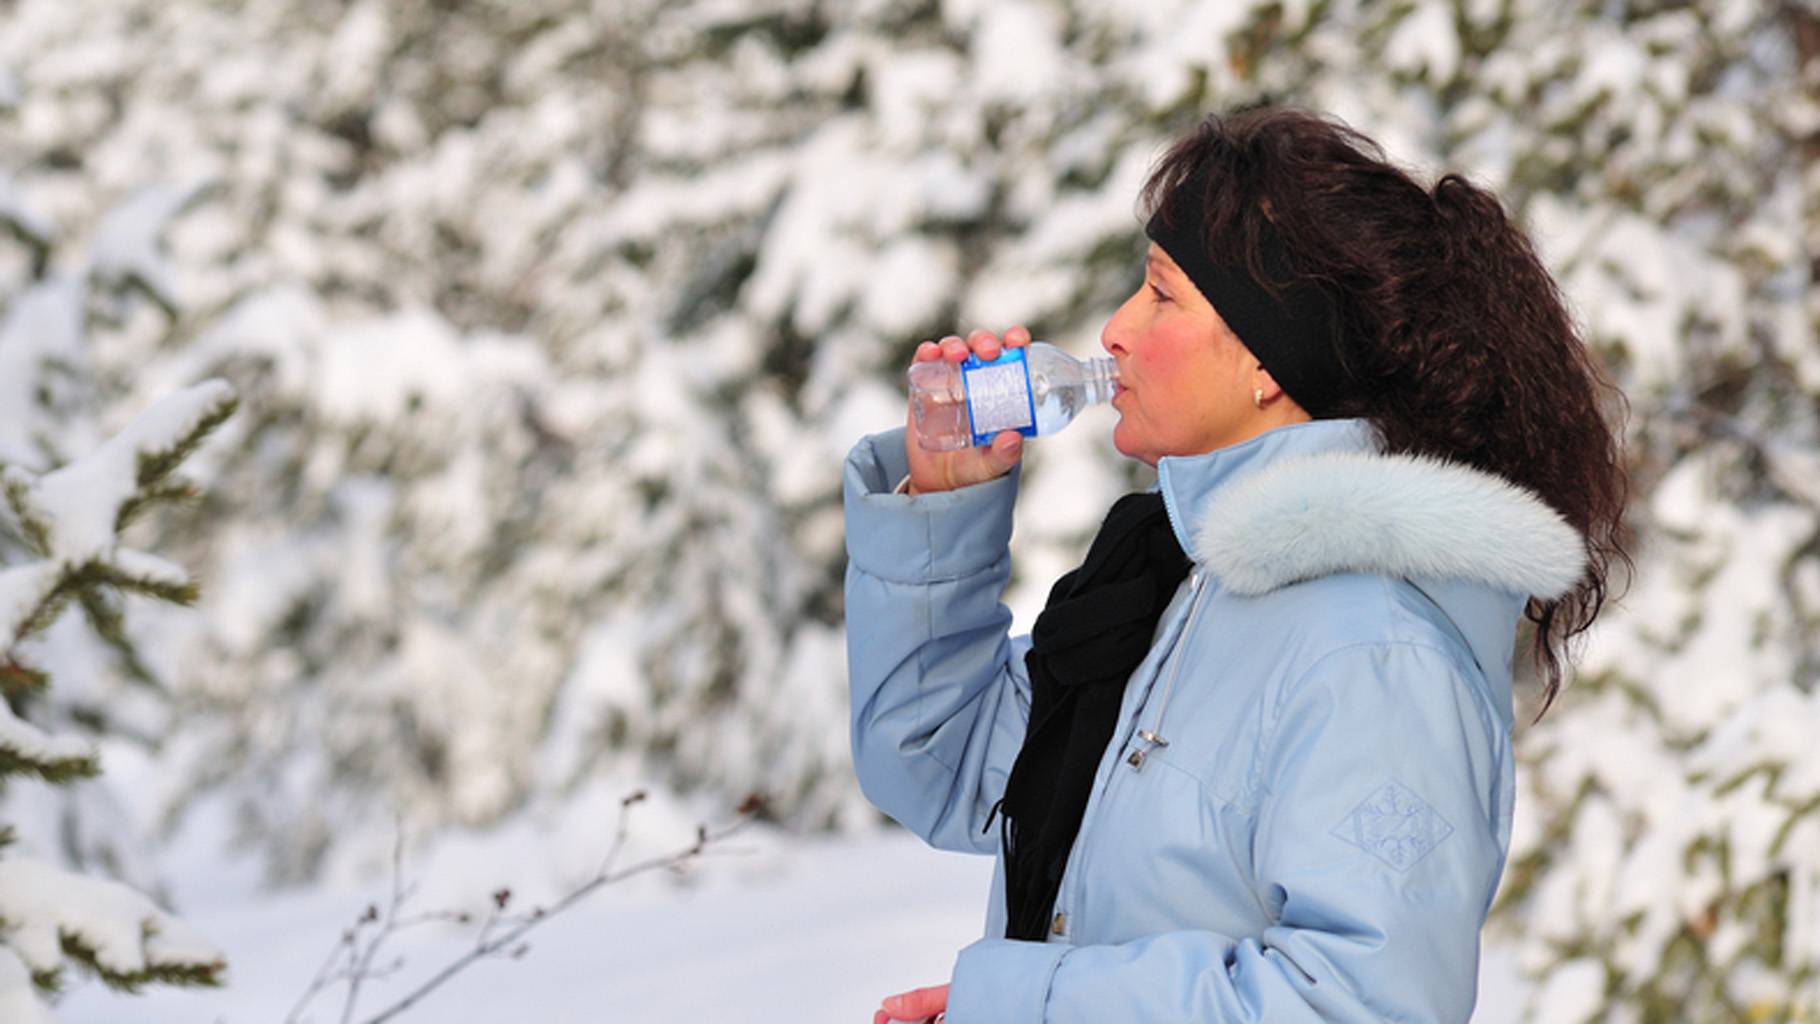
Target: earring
1257	397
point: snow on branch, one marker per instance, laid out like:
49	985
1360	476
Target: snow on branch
149	574
18	677
27	750
26	599
19	1002
1793	469
26	223
42	331
120	935
125	252
72	515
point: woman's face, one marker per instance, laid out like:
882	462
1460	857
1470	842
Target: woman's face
1185	380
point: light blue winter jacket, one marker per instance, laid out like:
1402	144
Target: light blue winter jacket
1321	834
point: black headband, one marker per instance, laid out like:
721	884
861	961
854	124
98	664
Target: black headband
1295	338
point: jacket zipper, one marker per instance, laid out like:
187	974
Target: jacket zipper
1153	736
1195	582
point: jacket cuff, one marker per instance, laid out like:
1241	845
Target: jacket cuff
921	538
1003	981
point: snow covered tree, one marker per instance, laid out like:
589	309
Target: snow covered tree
554	318
1668	864
71	518
74	689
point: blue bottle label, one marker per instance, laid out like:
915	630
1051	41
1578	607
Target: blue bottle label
998	395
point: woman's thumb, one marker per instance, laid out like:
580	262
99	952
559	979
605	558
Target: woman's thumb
918	1003
1007	448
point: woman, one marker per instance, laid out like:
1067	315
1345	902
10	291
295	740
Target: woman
1254	761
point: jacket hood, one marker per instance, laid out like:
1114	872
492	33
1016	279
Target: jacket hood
1401	515
1319	498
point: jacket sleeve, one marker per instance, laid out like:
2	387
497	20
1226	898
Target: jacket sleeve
940	694
1375	847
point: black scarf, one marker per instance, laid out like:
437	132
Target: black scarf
1095	628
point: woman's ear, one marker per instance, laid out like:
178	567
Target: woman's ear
1276	403
1265	386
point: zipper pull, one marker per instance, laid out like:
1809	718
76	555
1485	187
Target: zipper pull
1151	736
1136	760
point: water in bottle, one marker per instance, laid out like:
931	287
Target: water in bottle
1034	390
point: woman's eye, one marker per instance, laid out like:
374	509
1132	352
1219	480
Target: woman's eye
1160	297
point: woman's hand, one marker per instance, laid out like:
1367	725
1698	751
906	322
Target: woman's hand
946	471
918	1005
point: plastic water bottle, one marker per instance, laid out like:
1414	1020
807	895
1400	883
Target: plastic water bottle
1034	390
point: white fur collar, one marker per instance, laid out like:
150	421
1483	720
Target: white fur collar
1309	515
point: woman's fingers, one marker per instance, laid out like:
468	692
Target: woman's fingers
917	1004
980	342
984	344
947	471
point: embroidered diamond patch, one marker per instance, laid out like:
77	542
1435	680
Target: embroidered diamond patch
1394	825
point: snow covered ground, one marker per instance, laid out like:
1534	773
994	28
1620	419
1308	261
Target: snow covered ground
771	929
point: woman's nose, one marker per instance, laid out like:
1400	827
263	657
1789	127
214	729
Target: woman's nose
1112	336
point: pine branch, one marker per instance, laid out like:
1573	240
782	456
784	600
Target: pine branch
182	492
51	916
1790	470
17	677
162	583
45	613
147	285
109	623
27	750
194	975
18	483
153	467
126	570
55	771
1810	805
73	514
72	584
32	236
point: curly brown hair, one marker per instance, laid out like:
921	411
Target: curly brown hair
1454	335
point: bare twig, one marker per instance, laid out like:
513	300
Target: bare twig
351	961
324	974
619	832
492	946
362	969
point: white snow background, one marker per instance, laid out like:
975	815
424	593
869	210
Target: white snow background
771	928
546	371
